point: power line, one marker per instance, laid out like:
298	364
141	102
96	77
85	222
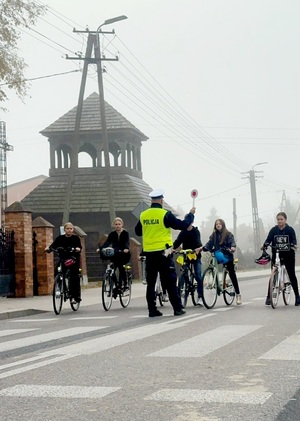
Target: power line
43	77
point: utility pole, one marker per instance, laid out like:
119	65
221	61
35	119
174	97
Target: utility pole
283	201
255	219
4	147
93	43
234	220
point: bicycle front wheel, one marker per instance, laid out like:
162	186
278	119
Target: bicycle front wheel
58	294
274	289
107	292
194	289
209	288
228	289
158	292
286	293
184	289
125	295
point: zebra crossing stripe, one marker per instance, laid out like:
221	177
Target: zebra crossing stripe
287	350
31	320
207	342
71	392
10	332
210	396
45	337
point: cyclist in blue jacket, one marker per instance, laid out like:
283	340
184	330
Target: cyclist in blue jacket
223	240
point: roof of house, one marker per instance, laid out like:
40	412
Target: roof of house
91	119
89	194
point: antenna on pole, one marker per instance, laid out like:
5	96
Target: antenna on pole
4	147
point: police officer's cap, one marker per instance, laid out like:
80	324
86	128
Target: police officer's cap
157	194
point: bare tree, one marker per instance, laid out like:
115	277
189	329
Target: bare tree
14	15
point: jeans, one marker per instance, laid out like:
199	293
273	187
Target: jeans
197	269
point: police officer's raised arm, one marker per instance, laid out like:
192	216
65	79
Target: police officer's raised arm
171	221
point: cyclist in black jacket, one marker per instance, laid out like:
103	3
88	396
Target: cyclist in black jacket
69	241
119	240
283	237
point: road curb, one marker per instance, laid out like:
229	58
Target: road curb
20	313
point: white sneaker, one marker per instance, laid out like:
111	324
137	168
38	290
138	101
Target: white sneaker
238	299
200	302
144	282
165	298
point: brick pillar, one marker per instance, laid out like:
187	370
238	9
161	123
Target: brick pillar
45	261
135	249
19	219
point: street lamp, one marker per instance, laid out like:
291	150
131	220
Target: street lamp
259	163
110	200
112	20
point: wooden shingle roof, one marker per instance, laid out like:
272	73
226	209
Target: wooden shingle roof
91	120
88	194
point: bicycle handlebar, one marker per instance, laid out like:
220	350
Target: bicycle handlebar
61	249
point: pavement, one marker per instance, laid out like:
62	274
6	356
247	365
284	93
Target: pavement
91	295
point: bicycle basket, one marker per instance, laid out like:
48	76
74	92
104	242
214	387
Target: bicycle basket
264	259
221	258
107	253
180	259
69	262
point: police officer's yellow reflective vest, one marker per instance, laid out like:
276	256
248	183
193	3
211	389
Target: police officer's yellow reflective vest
155	234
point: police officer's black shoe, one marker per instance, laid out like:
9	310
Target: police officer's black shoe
154	313
297	302
179	312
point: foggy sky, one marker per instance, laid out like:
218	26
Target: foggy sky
214	84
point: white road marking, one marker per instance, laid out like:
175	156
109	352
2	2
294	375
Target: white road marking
45	391
287	350
31	320
95	345
9	332
22	362
207	342
222	309
202	396
93	318
45	337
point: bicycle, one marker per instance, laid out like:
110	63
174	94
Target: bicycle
213	287
279	281
111	287
159	295
187	283
60	291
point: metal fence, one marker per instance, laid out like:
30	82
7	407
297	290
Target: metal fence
7	263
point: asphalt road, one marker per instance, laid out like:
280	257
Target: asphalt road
229	363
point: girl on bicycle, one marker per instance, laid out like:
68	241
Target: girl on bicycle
223	240
69	241
283	237
119	241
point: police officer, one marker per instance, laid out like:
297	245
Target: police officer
155	226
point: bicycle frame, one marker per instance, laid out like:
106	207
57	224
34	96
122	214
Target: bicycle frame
111	287
187	283
278	282
60	292
213	286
